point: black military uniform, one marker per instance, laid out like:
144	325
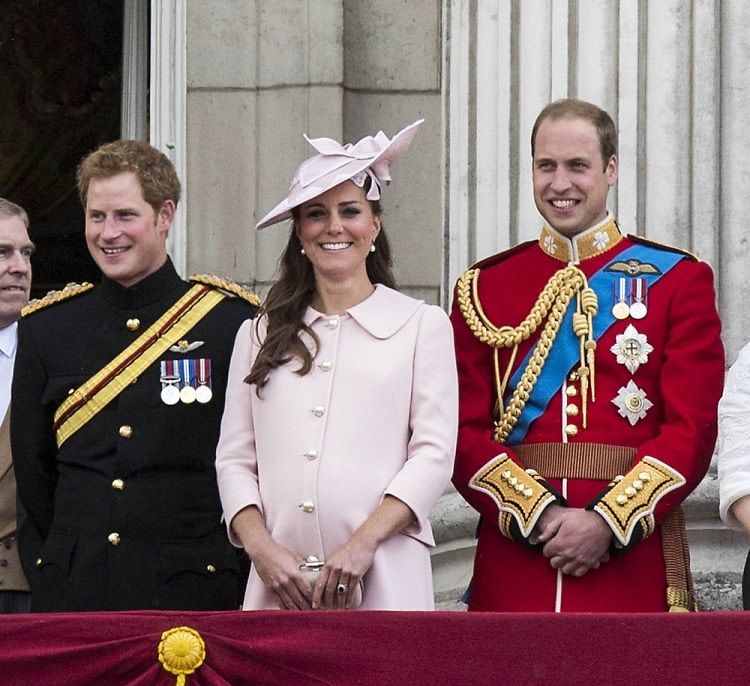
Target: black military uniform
126	513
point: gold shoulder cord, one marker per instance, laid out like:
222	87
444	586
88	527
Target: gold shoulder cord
551	306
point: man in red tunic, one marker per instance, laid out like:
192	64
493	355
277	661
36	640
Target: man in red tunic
590	368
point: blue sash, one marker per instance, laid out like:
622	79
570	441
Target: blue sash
565	351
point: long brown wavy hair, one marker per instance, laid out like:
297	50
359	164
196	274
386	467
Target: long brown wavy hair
289	297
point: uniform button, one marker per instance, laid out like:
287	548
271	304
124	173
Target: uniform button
308	506
573	376
571	430
114	539
133	324
126	431
332	323
211	569
571	391
318	410
118	484
326	366
3	563
39	562
311	454
571	410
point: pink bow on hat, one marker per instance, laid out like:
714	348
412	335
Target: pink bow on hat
335	163
337	156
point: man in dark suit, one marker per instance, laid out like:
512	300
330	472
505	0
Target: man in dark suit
15	282
120	393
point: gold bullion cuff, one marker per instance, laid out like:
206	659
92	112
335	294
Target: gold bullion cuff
520	495
632	499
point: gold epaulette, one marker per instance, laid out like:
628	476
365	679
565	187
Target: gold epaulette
54	297
229	287
664	246
517	492
632	499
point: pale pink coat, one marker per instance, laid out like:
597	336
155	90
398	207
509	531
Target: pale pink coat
377	415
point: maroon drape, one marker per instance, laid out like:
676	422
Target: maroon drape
409	648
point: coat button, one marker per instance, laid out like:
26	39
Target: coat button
571	410
571	430
126	431
318	410
211	569
571	391
133	324
3	563
118	484
308	506
39	562
114	539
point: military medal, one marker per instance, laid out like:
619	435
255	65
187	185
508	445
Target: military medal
632	403
620	309
203	393
631	348
638	309
170	393
187	392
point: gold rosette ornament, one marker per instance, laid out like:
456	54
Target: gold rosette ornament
181	652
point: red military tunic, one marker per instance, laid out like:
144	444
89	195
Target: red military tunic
633	453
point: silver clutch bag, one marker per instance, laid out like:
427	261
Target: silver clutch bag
312	568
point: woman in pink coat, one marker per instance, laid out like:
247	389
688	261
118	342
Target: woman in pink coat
339	430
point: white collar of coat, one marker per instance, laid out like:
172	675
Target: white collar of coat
381	315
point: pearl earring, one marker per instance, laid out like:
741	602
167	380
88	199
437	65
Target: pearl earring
372	247
302	252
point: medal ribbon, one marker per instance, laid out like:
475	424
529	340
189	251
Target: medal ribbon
104	386
565	351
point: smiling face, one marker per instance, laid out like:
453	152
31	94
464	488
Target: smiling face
571	180
15	268
336	230
125	236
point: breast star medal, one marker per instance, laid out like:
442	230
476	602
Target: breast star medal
631	348
632	403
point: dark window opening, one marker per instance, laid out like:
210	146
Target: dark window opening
60	80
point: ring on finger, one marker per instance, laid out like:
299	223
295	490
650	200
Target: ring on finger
341	588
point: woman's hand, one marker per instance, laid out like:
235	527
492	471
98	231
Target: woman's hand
277	566
279	570
346	567
343	570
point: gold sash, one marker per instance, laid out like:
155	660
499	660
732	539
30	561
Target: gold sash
104	386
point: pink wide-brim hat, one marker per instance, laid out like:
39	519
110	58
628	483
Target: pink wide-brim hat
335	163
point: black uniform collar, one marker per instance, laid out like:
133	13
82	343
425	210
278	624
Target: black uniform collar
145	292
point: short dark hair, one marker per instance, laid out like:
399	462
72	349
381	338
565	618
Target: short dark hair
570	108
153	169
